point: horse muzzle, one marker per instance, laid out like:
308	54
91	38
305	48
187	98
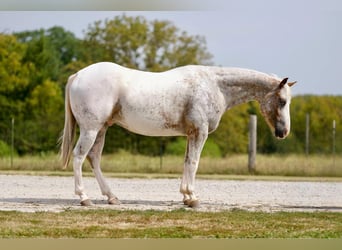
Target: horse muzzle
281	133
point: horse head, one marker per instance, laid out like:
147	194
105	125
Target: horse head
275	107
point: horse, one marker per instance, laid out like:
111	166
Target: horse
185	101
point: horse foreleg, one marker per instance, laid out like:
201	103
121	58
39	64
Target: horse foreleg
195	143
94	157
84	143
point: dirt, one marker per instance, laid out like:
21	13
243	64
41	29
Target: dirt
56	194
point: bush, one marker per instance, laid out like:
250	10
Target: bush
5	150
211	149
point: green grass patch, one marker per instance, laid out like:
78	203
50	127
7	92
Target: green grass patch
175	224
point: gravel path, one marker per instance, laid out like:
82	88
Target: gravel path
42	193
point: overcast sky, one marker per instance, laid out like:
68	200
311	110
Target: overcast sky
301	40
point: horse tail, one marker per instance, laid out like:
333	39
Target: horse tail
69	131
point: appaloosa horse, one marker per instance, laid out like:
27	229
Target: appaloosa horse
186	101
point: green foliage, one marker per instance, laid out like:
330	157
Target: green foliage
232	134
5	150
46	104
27	92
14	75
177	147
147	45
322	110
49	51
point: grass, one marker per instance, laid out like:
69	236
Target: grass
175	224
125	163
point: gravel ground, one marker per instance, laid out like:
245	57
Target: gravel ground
42	193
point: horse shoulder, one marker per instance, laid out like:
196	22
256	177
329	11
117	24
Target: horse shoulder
206	103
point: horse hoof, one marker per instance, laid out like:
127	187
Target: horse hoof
194	204
187	202
114	201
86	203
191	203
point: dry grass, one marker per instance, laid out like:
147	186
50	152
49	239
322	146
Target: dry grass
175	224
276	165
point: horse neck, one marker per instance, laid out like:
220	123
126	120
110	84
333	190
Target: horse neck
242	85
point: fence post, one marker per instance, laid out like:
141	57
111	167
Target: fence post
252	143
12	142
307	133
334	140
160	153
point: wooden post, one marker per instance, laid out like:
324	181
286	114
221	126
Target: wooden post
252	143
12	142
334	140
307	133
160	153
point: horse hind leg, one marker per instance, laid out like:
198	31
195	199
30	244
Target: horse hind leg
83	145
94	157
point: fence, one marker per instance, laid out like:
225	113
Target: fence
34	137
252	146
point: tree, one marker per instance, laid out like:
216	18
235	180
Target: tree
168	47
43	129
49	50
147	45
14	74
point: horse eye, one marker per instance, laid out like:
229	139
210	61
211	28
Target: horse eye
282	102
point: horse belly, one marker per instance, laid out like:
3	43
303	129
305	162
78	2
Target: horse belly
150	124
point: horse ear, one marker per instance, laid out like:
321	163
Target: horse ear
283	82
291	83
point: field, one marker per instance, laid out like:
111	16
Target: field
175	224
125	163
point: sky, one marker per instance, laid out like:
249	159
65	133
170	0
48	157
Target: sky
299	39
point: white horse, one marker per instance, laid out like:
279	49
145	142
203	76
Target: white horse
185	101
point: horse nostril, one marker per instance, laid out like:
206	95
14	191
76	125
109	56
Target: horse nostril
281	133
277	133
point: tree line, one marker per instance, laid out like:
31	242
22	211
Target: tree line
35	65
